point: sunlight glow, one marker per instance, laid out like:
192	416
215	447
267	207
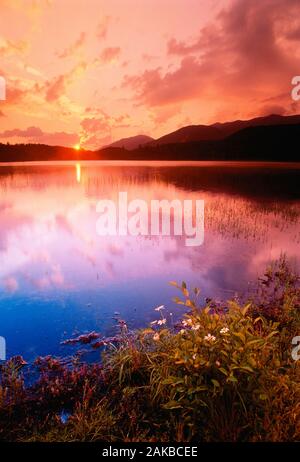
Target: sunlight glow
78	173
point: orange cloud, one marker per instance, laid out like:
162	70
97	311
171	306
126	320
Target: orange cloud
36	135
74	48
219	64
102	27
109	55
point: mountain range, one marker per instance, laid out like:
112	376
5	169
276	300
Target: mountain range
217	131
270	138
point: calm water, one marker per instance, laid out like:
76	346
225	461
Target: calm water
58	278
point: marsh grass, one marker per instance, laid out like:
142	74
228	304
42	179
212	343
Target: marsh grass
224	374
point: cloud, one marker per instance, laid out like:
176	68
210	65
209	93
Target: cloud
102	27
11	48
247	54
74	48
185	83
56	87
109	55
161	115
97	127
37	135
272	109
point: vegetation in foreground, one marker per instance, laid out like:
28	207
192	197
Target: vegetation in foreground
226	373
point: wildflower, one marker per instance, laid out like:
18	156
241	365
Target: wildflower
159	308
182	331
196	327
162	321
187	322
194	356
218	364
210	338
156	337
122	324
224	330
153	323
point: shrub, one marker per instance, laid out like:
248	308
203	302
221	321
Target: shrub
225	373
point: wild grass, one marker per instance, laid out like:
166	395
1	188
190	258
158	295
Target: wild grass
226	373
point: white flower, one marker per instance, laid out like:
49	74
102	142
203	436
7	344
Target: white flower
182	331
159	308
162	321
194	356
224	330
153	323
210	338
187	322
156	337
196	327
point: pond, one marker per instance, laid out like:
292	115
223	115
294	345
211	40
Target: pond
59	278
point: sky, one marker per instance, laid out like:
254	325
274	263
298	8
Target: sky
90	72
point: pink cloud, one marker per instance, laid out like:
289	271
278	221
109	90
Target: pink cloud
248	53
57	87
74	47
109	54
37	135
102	27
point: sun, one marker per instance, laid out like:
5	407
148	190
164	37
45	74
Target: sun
77	147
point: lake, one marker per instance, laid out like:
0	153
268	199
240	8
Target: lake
58	278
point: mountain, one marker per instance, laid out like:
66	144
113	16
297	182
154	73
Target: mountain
220	131
133	142
265	143
190	133
272	138
229	128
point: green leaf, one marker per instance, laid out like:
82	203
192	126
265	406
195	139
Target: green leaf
240	335
172	405
221	369
216	383
247	368
245	309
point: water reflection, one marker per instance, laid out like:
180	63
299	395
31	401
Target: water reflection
58	276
